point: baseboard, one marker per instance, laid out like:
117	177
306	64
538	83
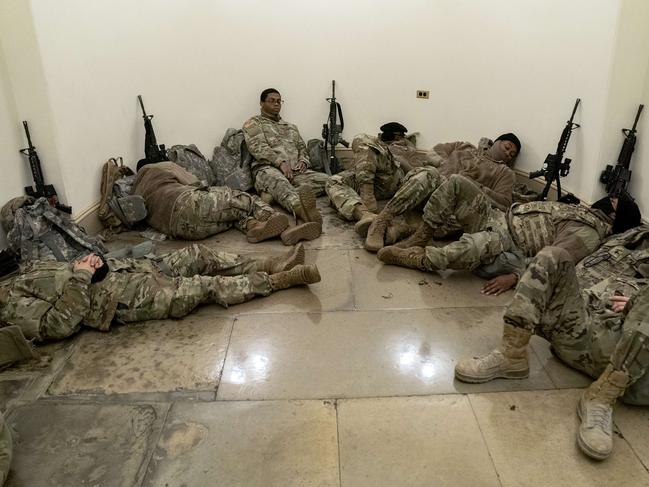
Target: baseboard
89	220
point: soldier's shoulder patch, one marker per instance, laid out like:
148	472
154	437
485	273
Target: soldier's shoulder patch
251	122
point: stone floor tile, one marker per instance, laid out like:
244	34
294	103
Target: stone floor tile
531	437
563	376
287	443
361	354
413	441
152	356
379	286
333	293
633	424
11	390
62	445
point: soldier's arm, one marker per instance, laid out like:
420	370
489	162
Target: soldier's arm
257	144
501	193
364	164
447	148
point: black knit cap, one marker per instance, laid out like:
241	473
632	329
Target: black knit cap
394	128
512	138
627	215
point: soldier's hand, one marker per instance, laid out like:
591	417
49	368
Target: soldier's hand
300	166
619	302
285	167
500	284
90	263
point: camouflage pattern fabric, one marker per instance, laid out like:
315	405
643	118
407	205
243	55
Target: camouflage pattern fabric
200	213
6	449
271	142
416	188
579	322
191	159
271	180
375	164
231	161
41	232
50	301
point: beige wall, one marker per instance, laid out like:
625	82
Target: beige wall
490	66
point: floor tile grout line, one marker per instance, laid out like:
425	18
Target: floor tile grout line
225	357
484	440
340	465
538	358
635	453
154	444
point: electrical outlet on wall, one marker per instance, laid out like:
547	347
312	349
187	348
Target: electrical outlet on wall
423	94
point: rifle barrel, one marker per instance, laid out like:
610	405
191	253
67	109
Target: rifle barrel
637	117
29	137
139	97
574	110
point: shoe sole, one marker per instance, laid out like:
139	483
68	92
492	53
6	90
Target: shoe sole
308	201
296	258
361	227
515	374
305	231
582	445
273	227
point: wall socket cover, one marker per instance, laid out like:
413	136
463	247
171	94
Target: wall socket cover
423	94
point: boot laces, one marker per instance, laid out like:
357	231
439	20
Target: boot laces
599	416
490	360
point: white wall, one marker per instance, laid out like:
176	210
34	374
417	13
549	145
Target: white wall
490	66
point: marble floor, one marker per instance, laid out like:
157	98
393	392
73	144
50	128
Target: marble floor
348	382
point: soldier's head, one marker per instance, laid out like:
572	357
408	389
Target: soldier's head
270	101
506	148
392	131
622	209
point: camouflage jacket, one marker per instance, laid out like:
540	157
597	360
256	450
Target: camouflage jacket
271	142
50	301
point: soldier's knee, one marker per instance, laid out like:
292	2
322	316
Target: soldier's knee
551	255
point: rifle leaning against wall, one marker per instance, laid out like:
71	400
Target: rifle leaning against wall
555	166
616	178
152	151
40	189
332	133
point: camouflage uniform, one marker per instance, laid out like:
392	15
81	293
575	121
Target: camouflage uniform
570	308
6	449
272	142
489	232
51	301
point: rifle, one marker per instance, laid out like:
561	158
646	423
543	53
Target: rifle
555	166
331	133
616	178
152	151
41	189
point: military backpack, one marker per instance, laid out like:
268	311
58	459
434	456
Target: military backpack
118	207
231	161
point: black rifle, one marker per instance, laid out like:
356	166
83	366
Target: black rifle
331	133
555	166
616	178
40	189
152	151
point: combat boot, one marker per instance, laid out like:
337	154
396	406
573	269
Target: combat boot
397	231
376	233
363	218
281	263
367	196
507	362
304	231
274	226
414	257
420	238
309	211
301	274
595	409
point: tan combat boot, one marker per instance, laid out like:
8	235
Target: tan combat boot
274	226
363	218
304	231
309	212
376	233
281	263
300	274
398	231
420	238
595	409
414	257
507	362
367	196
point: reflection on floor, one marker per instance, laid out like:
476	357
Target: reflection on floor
346	383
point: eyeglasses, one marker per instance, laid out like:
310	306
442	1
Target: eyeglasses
274	101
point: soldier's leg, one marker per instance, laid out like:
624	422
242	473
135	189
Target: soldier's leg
198	259
316	180
341	189
271	180
6	449
196	216
365	167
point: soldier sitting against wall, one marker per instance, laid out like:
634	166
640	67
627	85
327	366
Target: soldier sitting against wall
178	205
51	300
488	166
380	165
525	228
596	318
281	162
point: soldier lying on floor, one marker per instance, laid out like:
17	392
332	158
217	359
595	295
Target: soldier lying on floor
596	318
180	206
52	300
380	165
488	166
489	232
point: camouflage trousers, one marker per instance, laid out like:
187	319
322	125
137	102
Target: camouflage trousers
485	236
6	449
271	180
197	275
584	332
199	214
418	185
